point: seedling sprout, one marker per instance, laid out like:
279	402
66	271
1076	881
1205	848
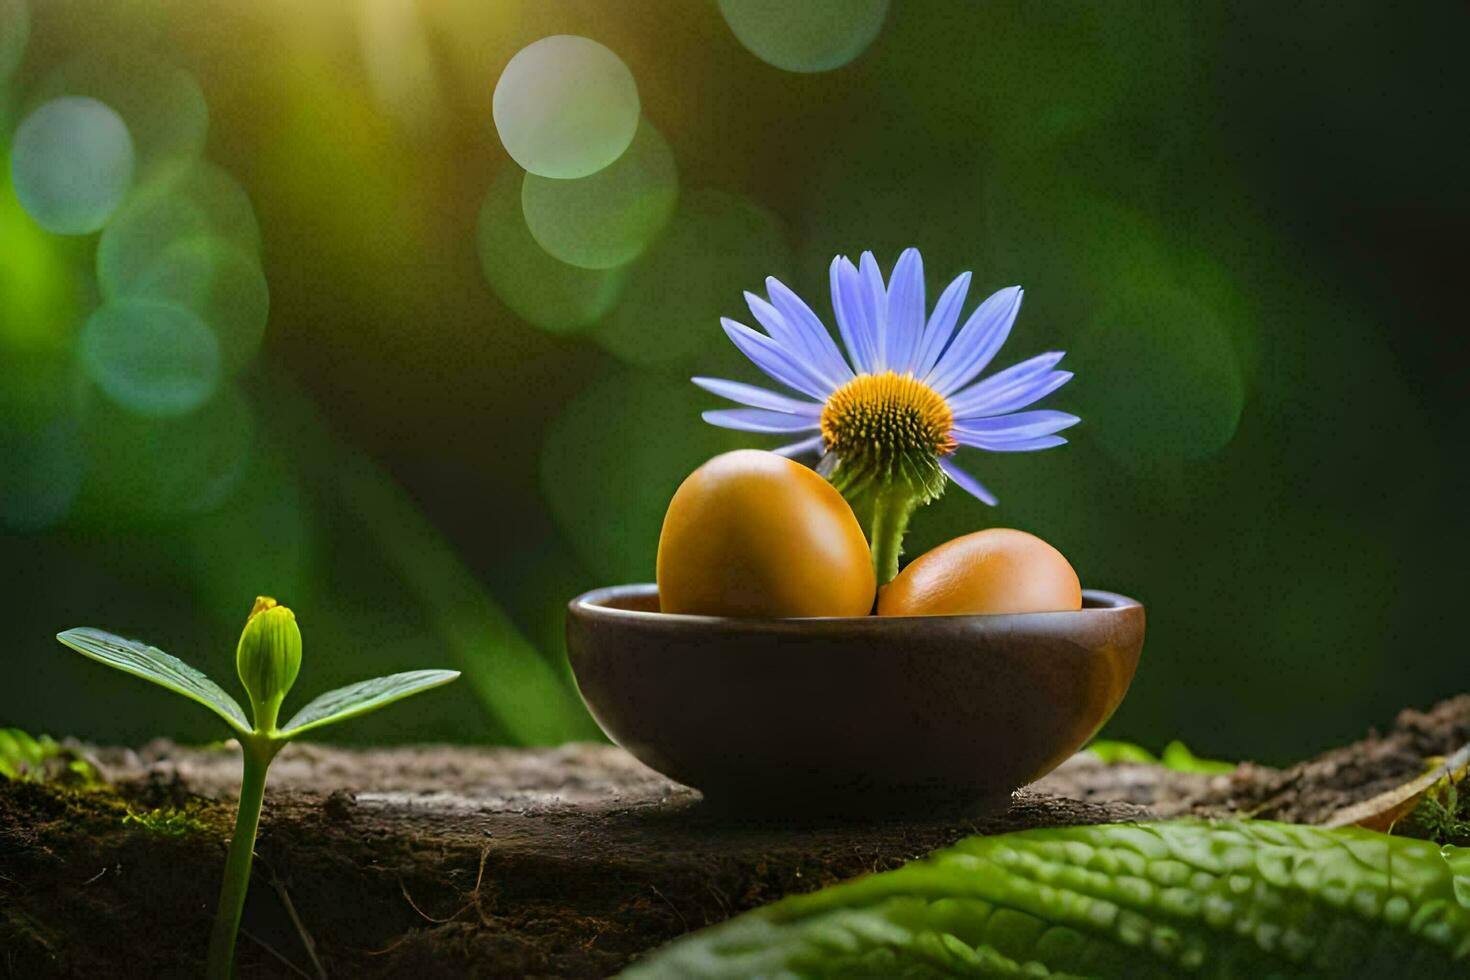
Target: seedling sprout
268	658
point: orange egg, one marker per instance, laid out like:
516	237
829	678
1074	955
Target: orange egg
754	534
998	570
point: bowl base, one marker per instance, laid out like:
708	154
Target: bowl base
846	805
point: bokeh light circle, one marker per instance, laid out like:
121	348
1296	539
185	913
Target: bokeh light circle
540	289
806	35
201	201
566	107
717	246
71	164
635	438
163	105
610	218
1163	381
219	282
153	358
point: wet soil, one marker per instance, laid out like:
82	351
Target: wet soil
450	862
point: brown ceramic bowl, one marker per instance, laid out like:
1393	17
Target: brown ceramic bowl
868	712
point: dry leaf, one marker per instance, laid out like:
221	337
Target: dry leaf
1384	810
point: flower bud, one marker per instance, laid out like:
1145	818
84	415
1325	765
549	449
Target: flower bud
268	658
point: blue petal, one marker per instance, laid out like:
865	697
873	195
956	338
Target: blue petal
905	310
989	433
966	482
1023	424
812	445
758	397
758	420
977	342
1016	387
875	301
941	324
775	324
774	359
806	323
852	314
1017	396
1015	446
792	340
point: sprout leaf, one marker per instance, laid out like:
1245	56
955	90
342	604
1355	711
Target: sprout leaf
362	697
152	664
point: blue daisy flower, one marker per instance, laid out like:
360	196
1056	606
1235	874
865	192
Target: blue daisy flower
888	410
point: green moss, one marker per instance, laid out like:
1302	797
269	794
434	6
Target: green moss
1444	814
169	821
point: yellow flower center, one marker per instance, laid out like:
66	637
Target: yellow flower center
886	424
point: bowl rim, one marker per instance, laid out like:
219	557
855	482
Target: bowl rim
593	605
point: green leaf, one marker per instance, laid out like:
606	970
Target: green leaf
1210	899
20	754
362	697
1176	756
1113	752
40	759
152	664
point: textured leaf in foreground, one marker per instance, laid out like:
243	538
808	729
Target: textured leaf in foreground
1189	898
362	697
152	664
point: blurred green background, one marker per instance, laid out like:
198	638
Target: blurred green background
306	343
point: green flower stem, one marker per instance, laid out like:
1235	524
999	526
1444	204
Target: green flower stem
259	751
892	507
